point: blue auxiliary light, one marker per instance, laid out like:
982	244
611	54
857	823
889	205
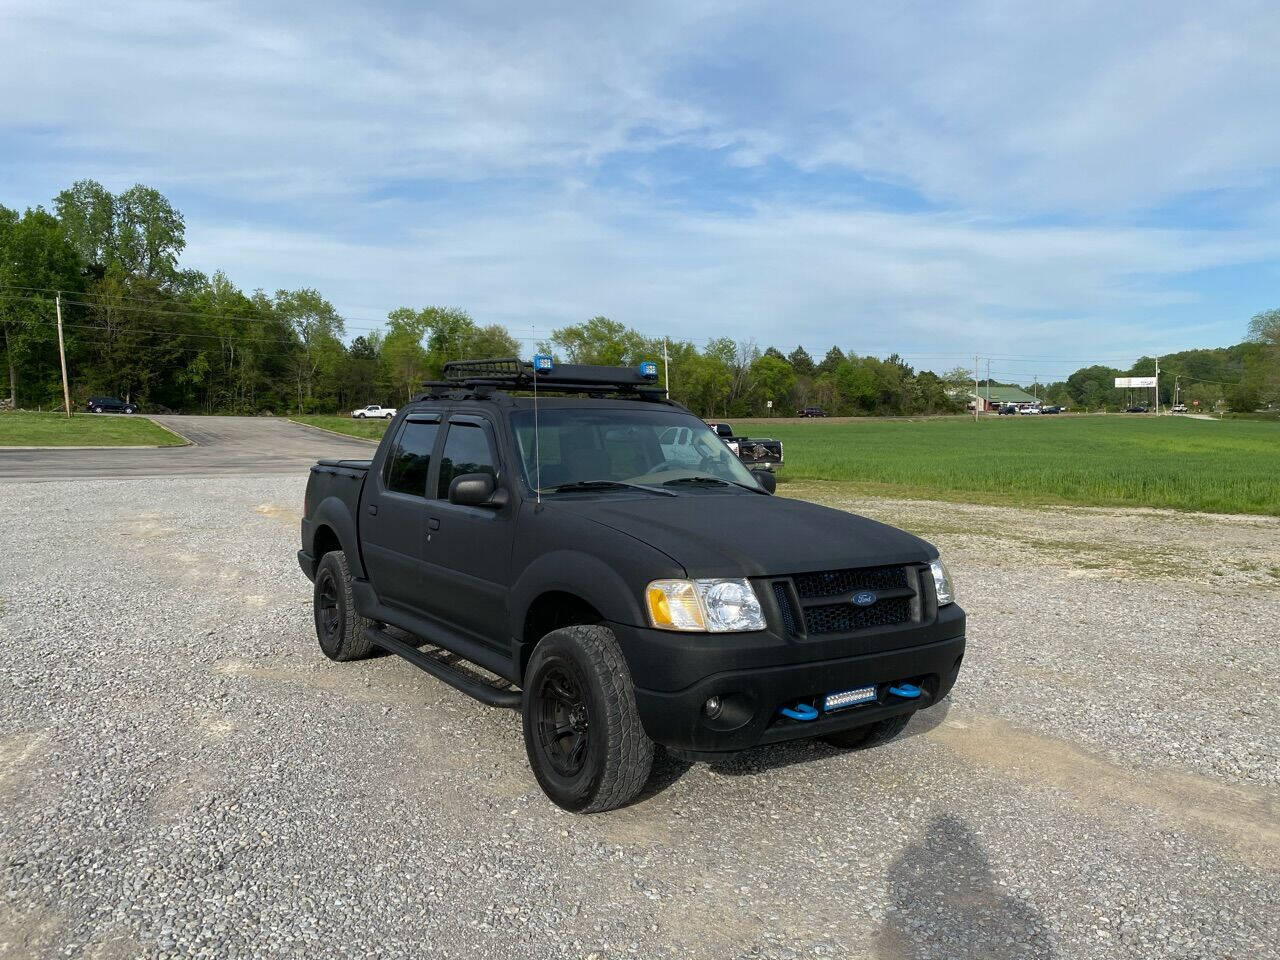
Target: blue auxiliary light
543	363
649	370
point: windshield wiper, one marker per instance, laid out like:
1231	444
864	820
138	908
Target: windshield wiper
714	481
606	485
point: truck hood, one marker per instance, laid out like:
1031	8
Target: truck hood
750	535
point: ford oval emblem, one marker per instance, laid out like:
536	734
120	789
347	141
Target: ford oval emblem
864	598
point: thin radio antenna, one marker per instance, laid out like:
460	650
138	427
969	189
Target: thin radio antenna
541	361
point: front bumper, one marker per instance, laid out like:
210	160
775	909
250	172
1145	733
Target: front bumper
753	684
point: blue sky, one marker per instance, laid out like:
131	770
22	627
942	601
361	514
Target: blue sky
1052	186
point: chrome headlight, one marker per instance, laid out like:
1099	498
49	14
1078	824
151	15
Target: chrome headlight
711	606
942	583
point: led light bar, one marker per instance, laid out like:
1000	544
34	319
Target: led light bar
849	698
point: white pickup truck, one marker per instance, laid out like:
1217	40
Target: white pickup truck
373	412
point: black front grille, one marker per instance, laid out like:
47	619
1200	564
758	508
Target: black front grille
784	607
846	617
833	583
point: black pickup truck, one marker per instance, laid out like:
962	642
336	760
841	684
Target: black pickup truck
623	579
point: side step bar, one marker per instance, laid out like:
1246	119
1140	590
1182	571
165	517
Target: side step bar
471	685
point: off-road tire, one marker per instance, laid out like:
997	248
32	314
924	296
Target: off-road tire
339	628
618	755
871	734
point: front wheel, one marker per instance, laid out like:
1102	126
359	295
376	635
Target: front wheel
582	730
871	734
339	628
97	409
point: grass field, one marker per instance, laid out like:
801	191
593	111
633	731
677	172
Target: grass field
1224	466
1218	466
365	429
23	429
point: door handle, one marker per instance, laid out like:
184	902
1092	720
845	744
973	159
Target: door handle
433	523
373	509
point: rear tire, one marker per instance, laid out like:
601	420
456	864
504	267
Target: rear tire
871	734
339	628
582	730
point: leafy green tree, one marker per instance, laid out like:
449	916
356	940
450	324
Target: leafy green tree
318	330
604	341
771	378
1265	327
87	211
36	260
801	362
833	359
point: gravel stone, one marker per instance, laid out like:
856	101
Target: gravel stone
183	774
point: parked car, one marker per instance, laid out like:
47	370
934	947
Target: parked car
1136	408
811	412
1029	409
1051	409
1008	410
627	579
753	451
1179	408
110	405
374	412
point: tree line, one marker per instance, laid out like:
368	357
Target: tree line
140	327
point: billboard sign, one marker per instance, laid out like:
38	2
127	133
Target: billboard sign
1135	381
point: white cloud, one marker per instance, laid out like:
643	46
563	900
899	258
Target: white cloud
872	282
516	159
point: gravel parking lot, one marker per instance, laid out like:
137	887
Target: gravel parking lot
183	774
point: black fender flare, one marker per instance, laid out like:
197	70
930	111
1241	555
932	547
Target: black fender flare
334	513
580	574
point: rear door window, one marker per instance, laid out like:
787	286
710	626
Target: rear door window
409	463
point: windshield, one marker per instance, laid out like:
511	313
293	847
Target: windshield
648	446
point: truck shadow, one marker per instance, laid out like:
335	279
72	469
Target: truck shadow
774	757
669	768
943	901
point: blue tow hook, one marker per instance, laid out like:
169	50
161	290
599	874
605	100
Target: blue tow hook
801	711
908	690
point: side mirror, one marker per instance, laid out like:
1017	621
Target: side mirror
475	490
767	481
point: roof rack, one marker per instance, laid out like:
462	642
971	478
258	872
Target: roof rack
515	374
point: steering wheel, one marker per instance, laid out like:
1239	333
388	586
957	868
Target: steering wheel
660	467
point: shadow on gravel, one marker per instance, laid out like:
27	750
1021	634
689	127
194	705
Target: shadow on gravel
946	903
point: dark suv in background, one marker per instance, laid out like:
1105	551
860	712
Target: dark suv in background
110	405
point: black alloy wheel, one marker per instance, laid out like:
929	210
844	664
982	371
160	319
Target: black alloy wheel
339	628
582	731
563	722
328	613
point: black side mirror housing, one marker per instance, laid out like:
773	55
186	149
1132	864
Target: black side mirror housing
767	481
476	490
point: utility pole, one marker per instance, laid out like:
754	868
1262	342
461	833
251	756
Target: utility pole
62	355
1157	386
1176	396
975	388
1035	387
988	385
666	366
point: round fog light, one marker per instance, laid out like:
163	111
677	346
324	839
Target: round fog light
712	707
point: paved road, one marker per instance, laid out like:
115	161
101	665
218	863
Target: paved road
219	446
